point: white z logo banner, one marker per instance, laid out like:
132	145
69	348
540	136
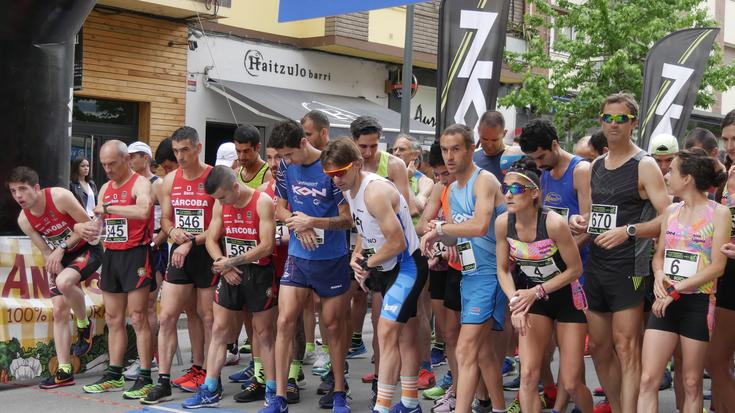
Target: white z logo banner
667	109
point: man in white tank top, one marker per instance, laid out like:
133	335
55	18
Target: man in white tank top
385	259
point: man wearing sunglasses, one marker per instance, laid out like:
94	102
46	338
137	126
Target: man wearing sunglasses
387	253
475	201
317	255
627	192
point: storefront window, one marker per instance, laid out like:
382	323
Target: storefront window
114	112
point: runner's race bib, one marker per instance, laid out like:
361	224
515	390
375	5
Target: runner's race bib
467	256
116	230
602	218
281	229
680	265
732	228
353	238
439	248
319	235
561	211
236	247
54	241
190	220
369	252
539	270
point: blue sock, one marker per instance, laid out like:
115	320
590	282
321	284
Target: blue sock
426	365
270	386
211	384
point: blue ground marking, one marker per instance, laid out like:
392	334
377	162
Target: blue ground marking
176	407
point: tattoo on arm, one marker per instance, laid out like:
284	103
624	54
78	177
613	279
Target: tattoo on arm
338	223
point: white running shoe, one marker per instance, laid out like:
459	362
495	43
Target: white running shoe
310	357
322	358
133	371
232	359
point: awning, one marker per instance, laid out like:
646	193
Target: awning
278	104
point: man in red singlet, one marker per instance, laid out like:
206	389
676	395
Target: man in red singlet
49	218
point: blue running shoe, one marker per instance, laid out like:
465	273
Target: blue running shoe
243	375
508	365
355	351
202	398
438	358
277	404
400	408
340	403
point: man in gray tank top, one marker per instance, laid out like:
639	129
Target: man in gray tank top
627	191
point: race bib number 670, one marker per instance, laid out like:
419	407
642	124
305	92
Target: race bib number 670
602	218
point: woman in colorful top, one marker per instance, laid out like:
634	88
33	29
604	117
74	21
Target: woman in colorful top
540	244
722	342
687	262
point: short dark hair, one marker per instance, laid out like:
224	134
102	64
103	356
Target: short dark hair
598	141
165	152
286	134
365	125
459	129
701	137
185	132
492	118
340	152
538	133
23	174
527	166
621	97
728	120
318	118
220	177
247	134
435	155
699	165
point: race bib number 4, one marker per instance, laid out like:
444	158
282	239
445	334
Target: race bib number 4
54	241
190	220
680	265
539	270
467	256
236	247
602	218
116	230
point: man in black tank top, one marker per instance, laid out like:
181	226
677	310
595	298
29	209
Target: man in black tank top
628	191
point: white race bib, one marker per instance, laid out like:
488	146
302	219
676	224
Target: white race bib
369	252
732	228
236	247
539	270
467	256
54	241
190	220
353	238
281	229
680	265
602	218
561	211
116	230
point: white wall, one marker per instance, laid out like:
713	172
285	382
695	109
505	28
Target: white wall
729	22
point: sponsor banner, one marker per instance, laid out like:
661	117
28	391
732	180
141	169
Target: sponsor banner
471	43
674	69
26	315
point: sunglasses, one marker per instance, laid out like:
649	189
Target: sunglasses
610	118
338	172
516	189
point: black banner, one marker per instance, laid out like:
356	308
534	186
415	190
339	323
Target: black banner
471	43
674	69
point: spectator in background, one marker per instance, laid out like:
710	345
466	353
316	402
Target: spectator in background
82	185
227	156
165	156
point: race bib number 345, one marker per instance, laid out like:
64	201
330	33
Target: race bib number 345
602	218
190	220
680	265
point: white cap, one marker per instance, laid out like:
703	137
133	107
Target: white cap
140	147
663	144
226	154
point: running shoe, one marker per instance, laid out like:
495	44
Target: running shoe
368	378
253	392
140	389
105	384
508	366
158	394
301	380
327	401
232	359
246	347
309	357
479	408
60	379
293	395
438	358
440	389
603	407
320	370
373	393
327	384
243	375
445	404
192	386
598	391
427	379
401	408
133	371
355	351
513	385
514	406
203	398
190	374
339	404
84	340
666	381
322	358
276	405
547	402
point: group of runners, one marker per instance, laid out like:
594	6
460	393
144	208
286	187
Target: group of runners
508	250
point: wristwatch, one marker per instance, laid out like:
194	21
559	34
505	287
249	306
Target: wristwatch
631	230
63	245
363	262
104	207
673	293
439	229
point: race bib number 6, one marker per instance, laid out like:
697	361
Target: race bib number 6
602	218
680	265
190	220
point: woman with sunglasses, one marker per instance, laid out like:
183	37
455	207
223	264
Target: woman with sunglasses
722	343
687	262
541	245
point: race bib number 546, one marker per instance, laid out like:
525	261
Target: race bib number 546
190	220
